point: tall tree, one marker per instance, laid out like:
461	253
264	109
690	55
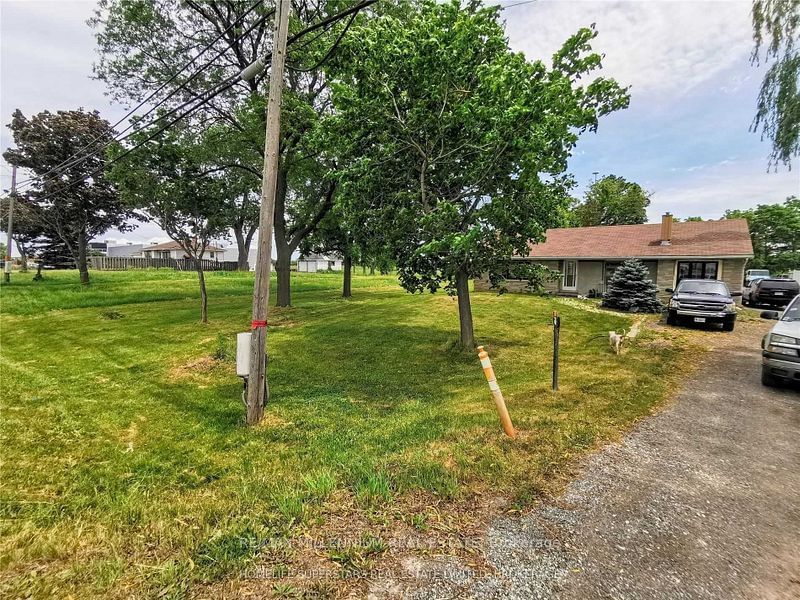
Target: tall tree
453	147
335	236
143	44
69	203
612	200
776	31
167	179
775	232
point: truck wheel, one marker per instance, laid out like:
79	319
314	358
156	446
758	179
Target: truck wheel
767	379
672	318
728	325
745	301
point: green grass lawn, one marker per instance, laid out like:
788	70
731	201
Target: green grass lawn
127	470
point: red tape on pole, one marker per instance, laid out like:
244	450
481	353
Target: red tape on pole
257	324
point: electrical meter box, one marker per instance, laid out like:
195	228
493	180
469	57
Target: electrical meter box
243	354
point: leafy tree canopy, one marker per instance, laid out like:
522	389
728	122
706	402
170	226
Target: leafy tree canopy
168	180
453	147
69	204
776	31
612	200
775	232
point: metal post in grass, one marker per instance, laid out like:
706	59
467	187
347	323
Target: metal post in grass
556	332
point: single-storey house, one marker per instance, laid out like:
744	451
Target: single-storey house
586	257
319	262
174	250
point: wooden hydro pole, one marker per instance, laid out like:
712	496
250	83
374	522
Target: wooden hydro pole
257	386
10	230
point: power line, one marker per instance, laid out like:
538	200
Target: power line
251	71
517	4
76	160
330	52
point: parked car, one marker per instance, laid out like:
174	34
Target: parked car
748	287
780	348
756	274
773	292
702	301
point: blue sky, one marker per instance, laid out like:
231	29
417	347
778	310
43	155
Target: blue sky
684	138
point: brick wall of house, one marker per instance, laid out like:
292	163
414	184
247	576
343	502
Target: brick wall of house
733	274
665	278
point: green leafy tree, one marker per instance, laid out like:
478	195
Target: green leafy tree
333	236
68	203
776	31
453	148
612	200
143	44
631	289
775	233
228	156
168	180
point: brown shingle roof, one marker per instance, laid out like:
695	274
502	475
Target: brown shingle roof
177	246
727	237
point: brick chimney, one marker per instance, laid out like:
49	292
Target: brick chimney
666	229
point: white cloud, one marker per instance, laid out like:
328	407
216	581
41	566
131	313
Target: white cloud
712	190
656	47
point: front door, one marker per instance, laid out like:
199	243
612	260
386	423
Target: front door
570	280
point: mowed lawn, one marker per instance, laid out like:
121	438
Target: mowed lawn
127	469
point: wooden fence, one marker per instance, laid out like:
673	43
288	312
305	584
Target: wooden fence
123	263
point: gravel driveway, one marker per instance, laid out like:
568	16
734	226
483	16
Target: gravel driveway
700	501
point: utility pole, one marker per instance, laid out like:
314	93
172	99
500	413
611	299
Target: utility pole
10	238
257	386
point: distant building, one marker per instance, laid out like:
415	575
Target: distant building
174	250
95	247
125	250
231	254
319	262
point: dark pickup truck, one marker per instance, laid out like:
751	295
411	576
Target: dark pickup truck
773	291
702	301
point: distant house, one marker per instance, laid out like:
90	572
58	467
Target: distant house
173	250
319	262
125	250
586	257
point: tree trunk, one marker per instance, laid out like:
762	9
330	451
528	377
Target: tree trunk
203	295
241	247
283	251
464	310
283	268
83	266
38	276
348	276
23	257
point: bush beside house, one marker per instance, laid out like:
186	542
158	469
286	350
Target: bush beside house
631	289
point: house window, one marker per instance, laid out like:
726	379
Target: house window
570	275
697	270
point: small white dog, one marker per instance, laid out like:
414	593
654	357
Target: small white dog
615	340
